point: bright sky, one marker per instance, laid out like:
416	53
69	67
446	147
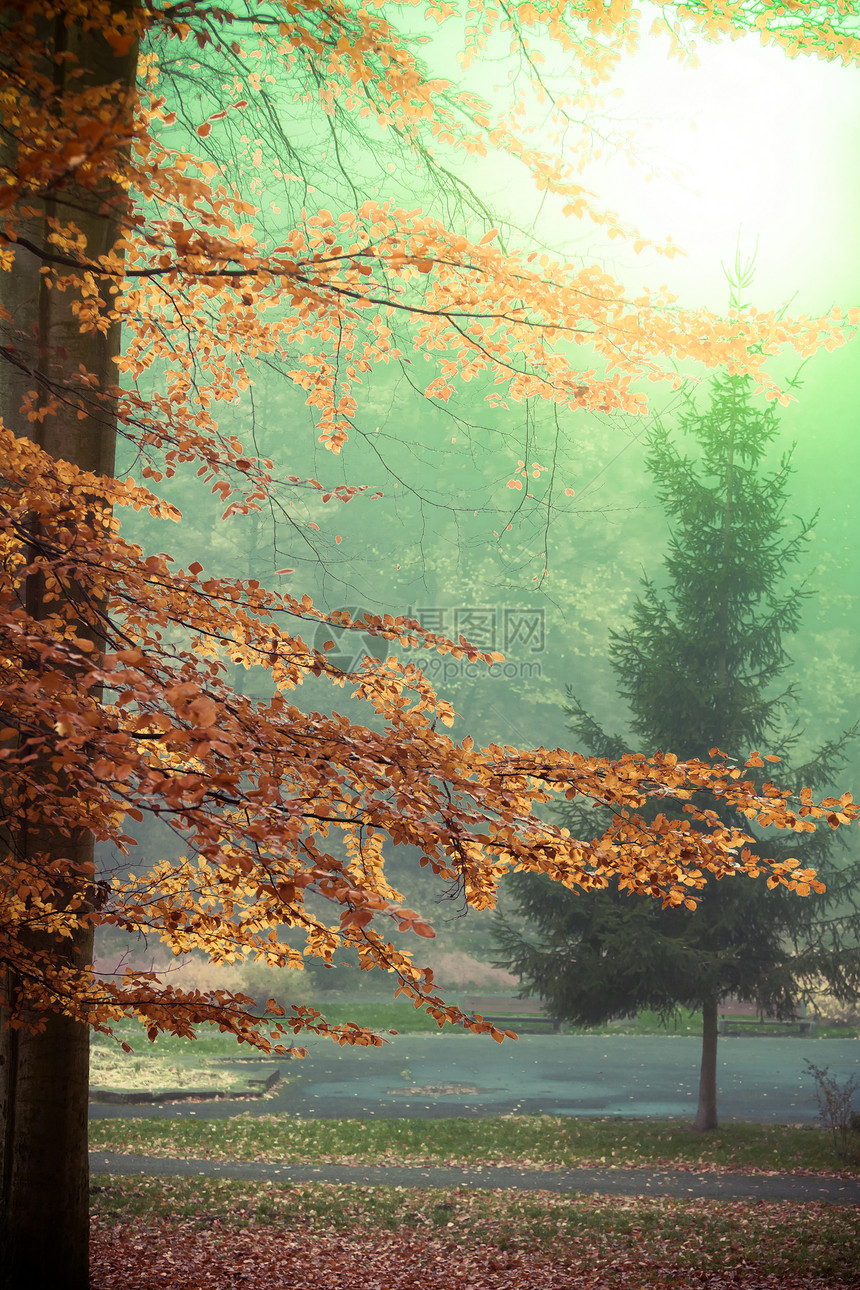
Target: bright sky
764	143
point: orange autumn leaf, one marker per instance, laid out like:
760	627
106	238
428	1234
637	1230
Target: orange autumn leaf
204	711
423	929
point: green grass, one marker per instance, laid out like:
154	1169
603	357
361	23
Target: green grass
402	1016
687	1022
778	1239
538	1141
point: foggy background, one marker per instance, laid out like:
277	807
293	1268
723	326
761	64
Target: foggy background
770	168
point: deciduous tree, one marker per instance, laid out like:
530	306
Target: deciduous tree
141	283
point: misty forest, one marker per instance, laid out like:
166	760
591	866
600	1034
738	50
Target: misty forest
428	602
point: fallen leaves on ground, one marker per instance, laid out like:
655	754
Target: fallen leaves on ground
806	1244
186	1256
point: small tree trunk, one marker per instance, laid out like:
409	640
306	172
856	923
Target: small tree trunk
706	1116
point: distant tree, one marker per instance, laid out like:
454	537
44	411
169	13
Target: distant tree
699	667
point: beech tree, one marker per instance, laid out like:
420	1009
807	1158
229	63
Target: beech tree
141	283
701	664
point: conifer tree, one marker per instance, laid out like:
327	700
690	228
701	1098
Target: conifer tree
702	667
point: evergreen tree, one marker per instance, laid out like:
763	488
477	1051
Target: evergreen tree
701	667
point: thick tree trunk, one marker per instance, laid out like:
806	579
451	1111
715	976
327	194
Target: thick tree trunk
44	1073
706	1116
45	1169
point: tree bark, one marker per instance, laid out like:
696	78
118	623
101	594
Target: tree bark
706	1116
44	1072
46	1174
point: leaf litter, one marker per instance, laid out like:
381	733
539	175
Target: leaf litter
208	1234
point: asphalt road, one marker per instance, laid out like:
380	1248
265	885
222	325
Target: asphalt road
435	1076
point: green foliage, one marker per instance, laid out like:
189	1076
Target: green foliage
702	666
696	663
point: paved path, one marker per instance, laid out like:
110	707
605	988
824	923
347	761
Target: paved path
435	1076
613	1182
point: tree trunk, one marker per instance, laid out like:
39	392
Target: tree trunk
45	1168
44	1074
706	1116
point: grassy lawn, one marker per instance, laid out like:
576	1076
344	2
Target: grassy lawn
110	1068
543	1238
531	1141
402	1016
